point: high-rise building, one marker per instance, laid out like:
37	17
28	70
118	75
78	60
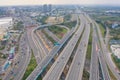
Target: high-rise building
49	7
45	8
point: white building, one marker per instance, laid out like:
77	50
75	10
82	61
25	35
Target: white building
114	25
116	50
5	25
5	22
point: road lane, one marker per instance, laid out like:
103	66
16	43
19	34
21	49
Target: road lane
22	60
94	67
57	68
76	69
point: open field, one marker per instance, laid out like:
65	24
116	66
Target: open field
55	20
102	29
58	31
70	24
111	74
116	61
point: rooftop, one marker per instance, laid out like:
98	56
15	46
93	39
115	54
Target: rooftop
116	50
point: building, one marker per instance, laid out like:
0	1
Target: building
11	53
49	8
116	50
45	8
5	25
114	25
114	41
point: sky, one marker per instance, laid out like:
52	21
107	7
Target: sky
34	2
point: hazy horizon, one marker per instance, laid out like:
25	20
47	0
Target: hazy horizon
60	2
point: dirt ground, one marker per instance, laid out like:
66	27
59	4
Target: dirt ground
55	20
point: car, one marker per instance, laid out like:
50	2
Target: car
72	44
15	63
11	72
57	61
18	62
78	63
62	57
79	49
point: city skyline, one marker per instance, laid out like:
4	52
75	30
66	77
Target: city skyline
41	2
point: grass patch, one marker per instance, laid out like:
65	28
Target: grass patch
49	37
116	61
3	56
31	66
2	47
39	78
109	46
98	35
70	24
58	31
112	18
102	29
111	74
89	48
85	75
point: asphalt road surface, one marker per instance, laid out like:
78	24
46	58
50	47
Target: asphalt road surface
76	69
101	52
57	68
94	67
21	62
37	71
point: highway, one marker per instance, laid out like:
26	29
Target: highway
106	54
101	53
101	58
21	60
48	58
103	64
38	70
42	41
27	60
58	66
40	45
76	69
33	45
36	45
94	67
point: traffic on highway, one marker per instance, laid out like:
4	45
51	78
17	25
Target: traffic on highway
59	42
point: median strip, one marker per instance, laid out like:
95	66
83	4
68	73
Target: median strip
47	67
86	73
31	66
58	31
111	74
66	69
